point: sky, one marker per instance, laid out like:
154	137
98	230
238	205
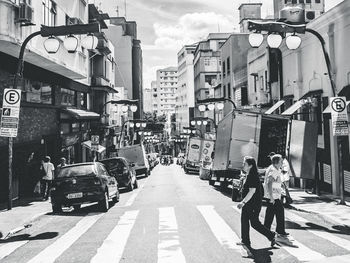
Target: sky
164	26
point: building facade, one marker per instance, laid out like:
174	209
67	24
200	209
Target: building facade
313	8
148	100
185	94
167	88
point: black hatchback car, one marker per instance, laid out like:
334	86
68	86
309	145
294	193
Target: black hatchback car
123	171
83	183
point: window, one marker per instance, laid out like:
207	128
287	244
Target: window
83	100
65	128
224	88
206	61
68	97
49	12
318	1
37	92
301	1
229	90
308	1
224	69
228	66
262	83
75	127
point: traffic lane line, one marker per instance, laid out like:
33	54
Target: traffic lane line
114	245
9	248
169	249
52	252
133	196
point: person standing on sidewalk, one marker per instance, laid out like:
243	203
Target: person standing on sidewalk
63	162
49	170
251	204
273	192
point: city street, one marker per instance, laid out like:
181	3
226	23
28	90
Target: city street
172	217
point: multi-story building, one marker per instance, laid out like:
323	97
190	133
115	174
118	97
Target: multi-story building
167	85
58	107
128	73
207	67
147	100
185	93
313	8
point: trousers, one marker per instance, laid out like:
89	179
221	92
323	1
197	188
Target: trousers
277	210
250	216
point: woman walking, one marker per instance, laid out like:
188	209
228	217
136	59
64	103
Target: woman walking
273	191
251	204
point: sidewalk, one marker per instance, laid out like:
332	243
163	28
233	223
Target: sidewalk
325	205
23	213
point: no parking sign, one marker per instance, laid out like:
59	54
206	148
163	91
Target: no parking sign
10	112
339	116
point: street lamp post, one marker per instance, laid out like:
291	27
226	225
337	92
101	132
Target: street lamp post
137	123
293	42
50	32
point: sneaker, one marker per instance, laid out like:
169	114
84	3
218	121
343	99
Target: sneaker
285	234
273	241
242	244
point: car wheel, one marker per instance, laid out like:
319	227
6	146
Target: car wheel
116	198
56	208
130	187
211	182
76	207
104	203
148	172
136	184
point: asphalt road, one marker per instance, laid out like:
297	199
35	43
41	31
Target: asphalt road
171	218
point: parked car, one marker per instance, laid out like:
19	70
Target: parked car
81	183
136	154
123	172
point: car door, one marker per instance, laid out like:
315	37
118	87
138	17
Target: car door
132	172
112	184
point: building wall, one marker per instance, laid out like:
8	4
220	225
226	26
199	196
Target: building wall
148	101
167	86
319	8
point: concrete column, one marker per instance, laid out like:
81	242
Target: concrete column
334	162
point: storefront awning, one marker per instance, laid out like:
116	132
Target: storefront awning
328	109
68	113
312	93
292	109
345	92
275	107
87	144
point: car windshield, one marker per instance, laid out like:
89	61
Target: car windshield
80	170
113	164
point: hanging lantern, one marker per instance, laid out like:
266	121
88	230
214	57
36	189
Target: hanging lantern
194	131
51	45
71	43
274	40
90	41
201	107
132	125
199	122
143	125
220	106
140	132
138	125
133	108
255	39
125	108
193	123
205	123
211	107
293	42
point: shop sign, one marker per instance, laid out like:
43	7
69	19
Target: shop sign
339	116
95	141
10	113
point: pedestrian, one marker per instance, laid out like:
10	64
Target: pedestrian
48	169
286	174
273	192
251	204
63	162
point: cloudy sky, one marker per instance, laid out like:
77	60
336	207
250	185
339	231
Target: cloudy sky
164	26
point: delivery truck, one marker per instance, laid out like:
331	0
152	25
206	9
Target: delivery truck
247	133
198	151
136	154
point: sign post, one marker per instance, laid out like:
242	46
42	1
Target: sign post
95	141
9	127
340	129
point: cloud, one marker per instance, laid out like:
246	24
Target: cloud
190	28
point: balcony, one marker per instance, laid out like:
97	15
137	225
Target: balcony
102	46
103	84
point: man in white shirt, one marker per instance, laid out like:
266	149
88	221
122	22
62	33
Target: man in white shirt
49	170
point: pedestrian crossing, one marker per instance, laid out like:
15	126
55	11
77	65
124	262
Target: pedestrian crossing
169	247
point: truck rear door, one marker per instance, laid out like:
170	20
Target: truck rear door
302	149
194	151
245	138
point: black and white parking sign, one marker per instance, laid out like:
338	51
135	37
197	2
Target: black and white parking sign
339	116
10	112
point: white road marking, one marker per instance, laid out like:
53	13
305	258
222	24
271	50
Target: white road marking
295	218
341	242
8	248
113	247
169	249
294	247
134	195
221	230
52	252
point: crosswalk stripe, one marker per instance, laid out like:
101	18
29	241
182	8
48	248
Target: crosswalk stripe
295	248
169	249
341	242
52	252
134	195
8	248
113	247
295	218
221	230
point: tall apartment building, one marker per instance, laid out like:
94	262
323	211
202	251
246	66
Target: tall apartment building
147	100
313	8
167	85
154	91
207	66
185	94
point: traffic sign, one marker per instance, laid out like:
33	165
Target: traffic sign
339	116
10	112
95	141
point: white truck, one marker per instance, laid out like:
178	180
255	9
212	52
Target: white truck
136	154
242	133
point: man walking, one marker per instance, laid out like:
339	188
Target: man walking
49	170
